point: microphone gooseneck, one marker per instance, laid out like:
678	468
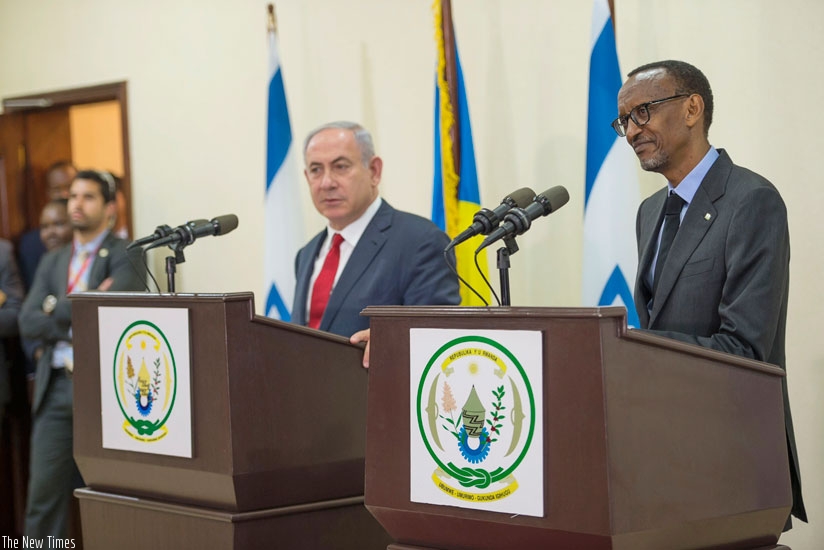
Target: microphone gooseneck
187	233
485	220
518	220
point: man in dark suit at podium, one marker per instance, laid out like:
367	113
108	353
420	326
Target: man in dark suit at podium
95	260
370	253
713	246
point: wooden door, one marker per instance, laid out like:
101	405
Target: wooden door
13	217
38	133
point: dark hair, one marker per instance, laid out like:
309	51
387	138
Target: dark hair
688	80
105	180
60	164
57	202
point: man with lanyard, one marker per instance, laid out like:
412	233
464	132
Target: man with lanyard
94	260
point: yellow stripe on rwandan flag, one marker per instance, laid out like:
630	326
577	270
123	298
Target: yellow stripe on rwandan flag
456	196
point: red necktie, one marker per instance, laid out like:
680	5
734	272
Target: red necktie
323	284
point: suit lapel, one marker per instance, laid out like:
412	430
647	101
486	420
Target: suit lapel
100	263
303	277
370	243
697	221
649	236
61	275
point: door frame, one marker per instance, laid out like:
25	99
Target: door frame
112	91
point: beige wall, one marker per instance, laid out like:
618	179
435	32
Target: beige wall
197	83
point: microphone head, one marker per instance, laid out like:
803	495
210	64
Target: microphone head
224	224
520	197
552	199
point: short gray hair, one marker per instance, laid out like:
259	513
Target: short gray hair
362	137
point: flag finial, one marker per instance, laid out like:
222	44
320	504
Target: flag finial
272	25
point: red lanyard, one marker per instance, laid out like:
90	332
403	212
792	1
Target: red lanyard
81	271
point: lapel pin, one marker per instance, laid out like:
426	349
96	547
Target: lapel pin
707	216
105	252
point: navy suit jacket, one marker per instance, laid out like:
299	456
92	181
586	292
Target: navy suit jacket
725	281
30	251
397	261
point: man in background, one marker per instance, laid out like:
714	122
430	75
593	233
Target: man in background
94	260
370	253
11	297
58	178
55	231
713	245
55	226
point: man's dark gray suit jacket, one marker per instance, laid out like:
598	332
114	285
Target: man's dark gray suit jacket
12	287
397	261
725	281
51	278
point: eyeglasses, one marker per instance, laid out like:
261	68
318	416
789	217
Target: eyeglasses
639	114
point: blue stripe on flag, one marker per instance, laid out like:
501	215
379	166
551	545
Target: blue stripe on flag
275	301
468	183
468	190
604	83
438	213
279	132
617	287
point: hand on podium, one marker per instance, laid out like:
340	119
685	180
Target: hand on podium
357	338
106	284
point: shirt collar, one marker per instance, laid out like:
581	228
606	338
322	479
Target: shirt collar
92	245
354	231
689	185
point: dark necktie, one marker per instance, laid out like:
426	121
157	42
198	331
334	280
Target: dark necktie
672	219
323	284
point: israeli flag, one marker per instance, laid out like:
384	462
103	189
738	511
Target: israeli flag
283	219
612	194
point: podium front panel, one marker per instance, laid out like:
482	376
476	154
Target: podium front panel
646	439
278	410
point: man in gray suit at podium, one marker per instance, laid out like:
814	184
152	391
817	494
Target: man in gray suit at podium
370	253
94	260
713	245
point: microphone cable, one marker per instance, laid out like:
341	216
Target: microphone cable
137	271
481	271
461	279
149	271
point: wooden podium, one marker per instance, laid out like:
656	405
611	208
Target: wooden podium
648	443
278	438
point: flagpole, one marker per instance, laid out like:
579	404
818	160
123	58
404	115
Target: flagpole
452	80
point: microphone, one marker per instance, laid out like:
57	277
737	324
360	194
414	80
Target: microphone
518	220
187	233
160	232
486	220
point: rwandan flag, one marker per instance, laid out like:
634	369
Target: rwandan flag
456	196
